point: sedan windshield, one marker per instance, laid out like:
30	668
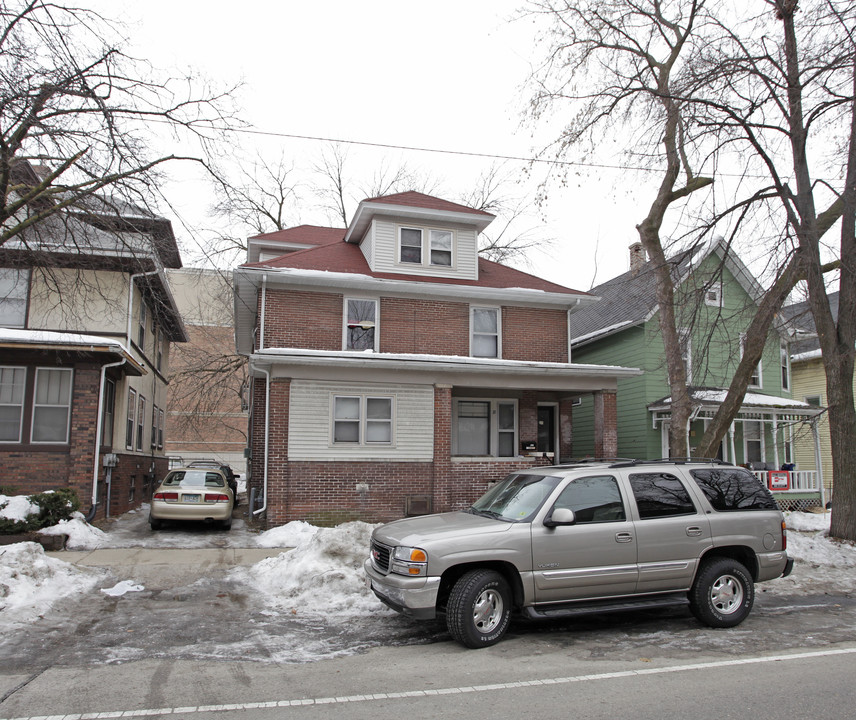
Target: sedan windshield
516	498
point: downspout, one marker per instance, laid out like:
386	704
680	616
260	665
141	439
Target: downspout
98	420
262	318
267	444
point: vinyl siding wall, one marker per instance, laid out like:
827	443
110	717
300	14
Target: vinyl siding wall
310	422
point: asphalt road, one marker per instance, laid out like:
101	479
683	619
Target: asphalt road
196	644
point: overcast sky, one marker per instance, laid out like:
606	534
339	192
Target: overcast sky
446	75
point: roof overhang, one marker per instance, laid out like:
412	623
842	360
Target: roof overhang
42	340
367	210
451	370
708	400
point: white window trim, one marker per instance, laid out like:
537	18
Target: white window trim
717	301
22	405
362	420
140	426
493	425
26	275
425	254
141	327
70	372
498	310
758	369
130	414
785	355
160	428
376	302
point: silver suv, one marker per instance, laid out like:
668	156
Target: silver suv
573	539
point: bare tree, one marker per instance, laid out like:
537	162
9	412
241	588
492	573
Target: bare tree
77	119
764	94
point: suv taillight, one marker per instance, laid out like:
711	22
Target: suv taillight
784	536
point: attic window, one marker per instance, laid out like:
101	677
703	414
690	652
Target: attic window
411	245
713	295
439	246
360	324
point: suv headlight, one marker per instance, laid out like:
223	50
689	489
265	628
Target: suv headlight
411	561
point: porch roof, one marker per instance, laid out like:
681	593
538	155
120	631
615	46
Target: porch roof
708	400
448	369
14	339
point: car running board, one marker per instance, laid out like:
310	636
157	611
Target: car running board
601	606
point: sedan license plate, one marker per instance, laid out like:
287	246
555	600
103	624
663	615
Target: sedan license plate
191	498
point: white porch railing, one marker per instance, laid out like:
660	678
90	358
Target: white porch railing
801	481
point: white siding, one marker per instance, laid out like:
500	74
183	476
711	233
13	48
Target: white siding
310	420
367	245
384	252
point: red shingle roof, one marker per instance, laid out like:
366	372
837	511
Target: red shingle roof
303	234
348	258
421	200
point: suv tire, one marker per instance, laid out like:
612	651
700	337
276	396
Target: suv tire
722	594
479	608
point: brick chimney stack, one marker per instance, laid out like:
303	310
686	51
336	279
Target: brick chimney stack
638	258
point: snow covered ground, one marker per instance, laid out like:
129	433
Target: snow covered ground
323	572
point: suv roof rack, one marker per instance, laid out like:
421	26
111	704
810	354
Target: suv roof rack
673	461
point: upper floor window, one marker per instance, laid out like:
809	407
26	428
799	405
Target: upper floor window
141	334
412	246
755	379
12	383
362	420
52	405
141	421
360	324
786	366
129	422
14	288
485	332
713	295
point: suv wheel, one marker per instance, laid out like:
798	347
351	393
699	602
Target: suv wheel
479	608
723	593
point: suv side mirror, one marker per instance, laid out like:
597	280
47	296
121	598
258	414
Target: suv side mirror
560	516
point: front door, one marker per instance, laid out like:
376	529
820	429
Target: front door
547	429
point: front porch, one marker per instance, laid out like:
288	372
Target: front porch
761	438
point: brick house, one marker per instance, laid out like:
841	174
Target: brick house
84	354
395	372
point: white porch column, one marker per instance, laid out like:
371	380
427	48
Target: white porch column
776	440
731	444
818	462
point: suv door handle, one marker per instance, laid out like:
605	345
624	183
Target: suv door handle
624	537
694	531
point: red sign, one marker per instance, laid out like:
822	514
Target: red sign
779	480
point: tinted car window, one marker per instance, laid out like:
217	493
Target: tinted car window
729	489
593	499
660	495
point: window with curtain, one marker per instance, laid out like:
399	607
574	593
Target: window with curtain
52	405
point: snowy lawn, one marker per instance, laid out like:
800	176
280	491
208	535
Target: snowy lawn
323	574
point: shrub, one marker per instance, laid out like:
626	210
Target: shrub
53	507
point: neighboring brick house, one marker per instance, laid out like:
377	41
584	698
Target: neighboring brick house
395	372
84	355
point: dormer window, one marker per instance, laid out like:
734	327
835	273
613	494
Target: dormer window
412	243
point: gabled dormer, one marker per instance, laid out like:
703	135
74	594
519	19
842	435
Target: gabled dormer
412	233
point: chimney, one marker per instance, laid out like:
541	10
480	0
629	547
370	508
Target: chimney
637	258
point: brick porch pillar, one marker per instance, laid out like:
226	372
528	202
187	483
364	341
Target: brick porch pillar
605	424
277	500
442	471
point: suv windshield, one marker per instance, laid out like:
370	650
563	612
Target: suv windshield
516	498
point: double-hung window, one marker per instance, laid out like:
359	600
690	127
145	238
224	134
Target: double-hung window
486	428
52	405
362	420
160	429
485	336
141	334
786	366
129	422
14	288
12	384
756	378
154	439
753	438
107	413
141	421
429	246
361	324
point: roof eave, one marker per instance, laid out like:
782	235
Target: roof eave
367	210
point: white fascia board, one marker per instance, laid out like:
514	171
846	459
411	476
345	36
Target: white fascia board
602	333
452	363
366	211
337	282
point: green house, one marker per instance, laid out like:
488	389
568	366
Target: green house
716	297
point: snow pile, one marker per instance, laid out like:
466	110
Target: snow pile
31	582
290	535
17	507
823	564
81	535
322	575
